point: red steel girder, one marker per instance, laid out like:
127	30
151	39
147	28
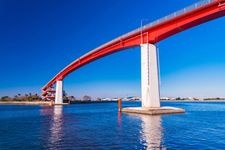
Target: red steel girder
152	34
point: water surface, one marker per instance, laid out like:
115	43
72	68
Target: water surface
100	126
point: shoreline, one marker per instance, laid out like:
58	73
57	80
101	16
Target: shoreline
192	101
89	102
24	103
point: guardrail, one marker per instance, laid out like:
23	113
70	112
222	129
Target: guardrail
158	21
170	16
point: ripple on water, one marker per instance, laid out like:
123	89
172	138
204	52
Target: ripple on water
100	126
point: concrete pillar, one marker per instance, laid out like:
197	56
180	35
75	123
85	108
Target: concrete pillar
59	92
149	76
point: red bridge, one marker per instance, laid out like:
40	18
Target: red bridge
145	37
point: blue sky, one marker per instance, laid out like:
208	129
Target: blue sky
40	37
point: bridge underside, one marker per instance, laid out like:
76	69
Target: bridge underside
149	79
150	34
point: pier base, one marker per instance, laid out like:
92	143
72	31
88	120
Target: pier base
153	110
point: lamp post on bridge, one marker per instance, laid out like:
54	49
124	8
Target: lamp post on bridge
142	20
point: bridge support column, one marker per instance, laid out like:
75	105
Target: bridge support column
150	93
59	93
150	85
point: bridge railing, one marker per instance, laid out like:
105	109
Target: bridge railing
170	16
180	12
138	30
158	21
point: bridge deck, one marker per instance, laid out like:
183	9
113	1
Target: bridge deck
153	32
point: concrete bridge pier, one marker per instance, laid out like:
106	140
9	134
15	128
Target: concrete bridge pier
59	92
150	94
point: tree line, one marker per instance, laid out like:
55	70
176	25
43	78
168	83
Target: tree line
20	97
36	97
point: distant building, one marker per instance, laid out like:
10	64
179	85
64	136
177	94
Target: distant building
131	98
106	99
165	98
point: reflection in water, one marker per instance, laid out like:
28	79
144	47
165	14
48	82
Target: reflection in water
151	131
119	119
56	126
151	134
